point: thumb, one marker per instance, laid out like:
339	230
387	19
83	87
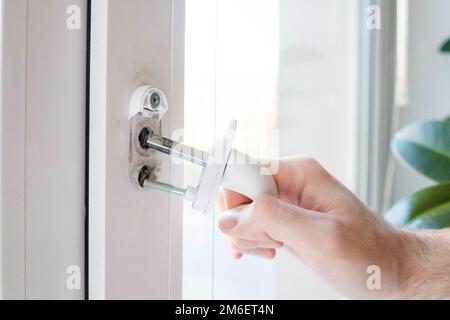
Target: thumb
230	219
270	218
298	227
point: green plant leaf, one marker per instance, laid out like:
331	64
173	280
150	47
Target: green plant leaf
446	46
426	209
425	146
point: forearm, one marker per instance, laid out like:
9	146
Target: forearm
427	271
422	269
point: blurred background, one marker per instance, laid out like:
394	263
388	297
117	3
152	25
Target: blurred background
331	79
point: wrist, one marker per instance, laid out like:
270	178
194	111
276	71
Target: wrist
425	269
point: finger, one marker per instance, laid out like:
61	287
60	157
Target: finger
230	219
261	253
235	252
271	219
234	199
265	253
242	223
250	244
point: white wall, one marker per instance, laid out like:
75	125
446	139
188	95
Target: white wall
429	71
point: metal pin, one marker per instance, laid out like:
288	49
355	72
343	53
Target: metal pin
150	184
150	140
146	182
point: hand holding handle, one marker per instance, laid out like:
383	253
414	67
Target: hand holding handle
248	179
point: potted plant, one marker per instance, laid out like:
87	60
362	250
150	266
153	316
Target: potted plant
425	147
446	46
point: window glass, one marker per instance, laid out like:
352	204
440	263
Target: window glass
282	69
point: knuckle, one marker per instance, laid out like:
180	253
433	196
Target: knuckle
311	166
265	203
308	161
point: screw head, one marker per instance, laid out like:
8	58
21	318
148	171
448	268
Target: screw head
155	100
149	101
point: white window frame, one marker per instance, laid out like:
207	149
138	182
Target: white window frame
376	103
135	236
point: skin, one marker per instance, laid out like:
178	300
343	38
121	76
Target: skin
328	228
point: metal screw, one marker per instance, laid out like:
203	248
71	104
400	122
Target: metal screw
155	100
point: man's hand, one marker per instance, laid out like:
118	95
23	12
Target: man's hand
324	225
